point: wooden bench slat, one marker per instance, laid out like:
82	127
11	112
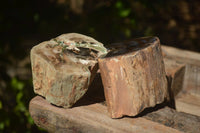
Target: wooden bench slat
90	118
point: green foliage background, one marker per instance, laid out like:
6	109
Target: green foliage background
26	23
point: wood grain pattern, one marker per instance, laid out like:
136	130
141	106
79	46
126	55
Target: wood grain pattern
185	76
89	119
184	56
178	120
175	75
64	67
188	100
133	79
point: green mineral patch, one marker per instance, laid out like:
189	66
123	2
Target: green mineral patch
82	48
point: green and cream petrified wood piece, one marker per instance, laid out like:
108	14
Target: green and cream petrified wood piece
133	76
64	67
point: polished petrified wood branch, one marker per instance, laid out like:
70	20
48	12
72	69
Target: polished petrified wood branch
133	76
64	67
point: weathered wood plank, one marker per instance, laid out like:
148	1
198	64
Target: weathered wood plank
191	82
188	103
183	67
188	57
178	120
188	100
133	76
90	118
175	74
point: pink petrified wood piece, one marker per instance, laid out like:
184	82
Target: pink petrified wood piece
133	76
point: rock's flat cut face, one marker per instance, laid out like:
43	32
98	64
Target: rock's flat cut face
129	46
133	76
64	67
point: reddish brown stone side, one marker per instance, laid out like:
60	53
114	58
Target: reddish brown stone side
134	81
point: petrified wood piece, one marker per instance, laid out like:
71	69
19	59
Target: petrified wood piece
133	76
64	67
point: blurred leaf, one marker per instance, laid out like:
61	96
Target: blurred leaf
36	17
148	32
17	84
118	4
30	120
127	32
7	122
124	13
20	107
19	96
1	105
2	126
133	22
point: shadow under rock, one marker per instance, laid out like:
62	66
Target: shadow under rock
150	110
95	93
